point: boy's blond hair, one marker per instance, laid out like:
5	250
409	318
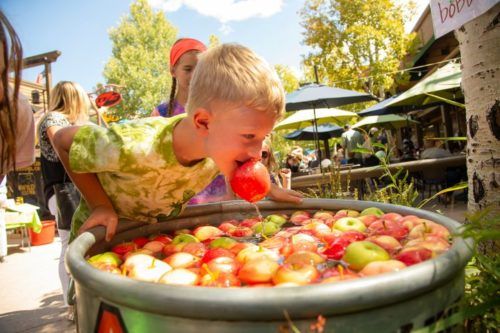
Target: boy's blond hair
234	74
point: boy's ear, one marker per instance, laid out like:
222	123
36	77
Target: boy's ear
201	120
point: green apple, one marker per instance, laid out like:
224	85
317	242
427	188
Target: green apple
223	242
276	219
106	258
348	224
372	211
184	238
359	254
266	228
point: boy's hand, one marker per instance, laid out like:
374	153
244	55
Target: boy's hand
105	216
279	194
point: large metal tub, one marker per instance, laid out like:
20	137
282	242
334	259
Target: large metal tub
413	298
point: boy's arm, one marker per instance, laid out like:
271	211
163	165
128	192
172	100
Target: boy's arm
102	211
279	194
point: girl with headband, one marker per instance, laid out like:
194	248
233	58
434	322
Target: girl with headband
183	60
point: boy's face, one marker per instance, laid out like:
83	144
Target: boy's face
234	134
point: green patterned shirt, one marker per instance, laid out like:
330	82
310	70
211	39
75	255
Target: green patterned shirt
136	165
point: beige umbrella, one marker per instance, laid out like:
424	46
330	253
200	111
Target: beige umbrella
304	118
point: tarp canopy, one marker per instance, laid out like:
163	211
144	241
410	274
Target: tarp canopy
388	121
305	118
321	96
441	86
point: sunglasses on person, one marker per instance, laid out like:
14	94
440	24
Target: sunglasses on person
265	154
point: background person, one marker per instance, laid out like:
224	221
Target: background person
183	59
433	149
69	105
235	99
17	127
268	159
351	138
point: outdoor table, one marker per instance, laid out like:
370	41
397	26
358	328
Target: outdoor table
356	174
14	216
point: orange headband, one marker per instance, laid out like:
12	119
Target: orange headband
182	46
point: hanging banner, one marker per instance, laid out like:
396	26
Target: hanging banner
448	15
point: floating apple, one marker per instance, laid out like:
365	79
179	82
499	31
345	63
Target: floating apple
349	223
379	267
180	276
259	270
359	254
299	274
123	248
372	211
207	232
251	181
110	258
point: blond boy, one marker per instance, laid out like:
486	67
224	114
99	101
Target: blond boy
150	168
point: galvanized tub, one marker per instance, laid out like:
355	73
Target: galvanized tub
411	299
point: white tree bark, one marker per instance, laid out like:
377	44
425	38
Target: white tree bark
479	42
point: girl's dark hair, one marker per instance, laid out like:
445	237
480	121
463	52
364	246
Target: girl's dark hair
12	61
170	110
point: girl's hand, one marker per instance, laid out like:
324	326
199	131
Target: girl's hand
279	194
102	215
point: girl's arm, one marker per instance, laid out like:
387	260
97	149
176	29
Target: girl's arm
102	211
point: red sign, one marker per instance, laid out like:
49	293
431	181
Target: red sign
109	320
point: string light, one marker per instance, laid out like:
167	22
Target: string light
419	73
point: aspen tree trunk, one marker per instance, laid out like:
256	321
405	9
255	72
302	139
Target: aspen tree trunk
479	42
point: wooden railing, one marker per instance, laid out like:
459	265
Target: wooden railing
302	182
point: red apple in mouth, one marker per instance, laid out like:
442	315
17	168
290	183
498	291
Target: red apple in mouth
251	181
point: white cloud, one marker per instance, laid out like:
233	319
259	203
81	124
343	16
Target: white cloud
223	10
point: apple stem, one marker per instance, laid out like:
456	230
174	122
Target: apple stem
341	271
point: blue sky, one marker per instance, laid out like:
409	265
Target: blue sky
79	29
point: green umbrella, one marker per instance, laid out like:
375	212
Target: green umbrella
305	118
441	86
387	120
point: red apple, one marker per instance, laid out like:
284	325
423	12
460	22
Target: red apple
368	219
304	258
181	260
221	280
220	265
389	228
196	249
379	267
299	217
260	270
436	244
140	241
216	253
251	181
300	274
228	226
162	238
336	249
249	222
323	215
241	232
414	255
154	246
140	251
388	243
180	276
426	228
207	232
123	248
392	216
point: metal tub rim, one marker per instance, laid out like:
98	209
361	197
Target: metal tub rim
269	303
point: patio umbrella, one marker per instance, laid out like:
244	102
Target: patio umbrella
323	132
314	96
441	86
388	120
305	118
384	107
